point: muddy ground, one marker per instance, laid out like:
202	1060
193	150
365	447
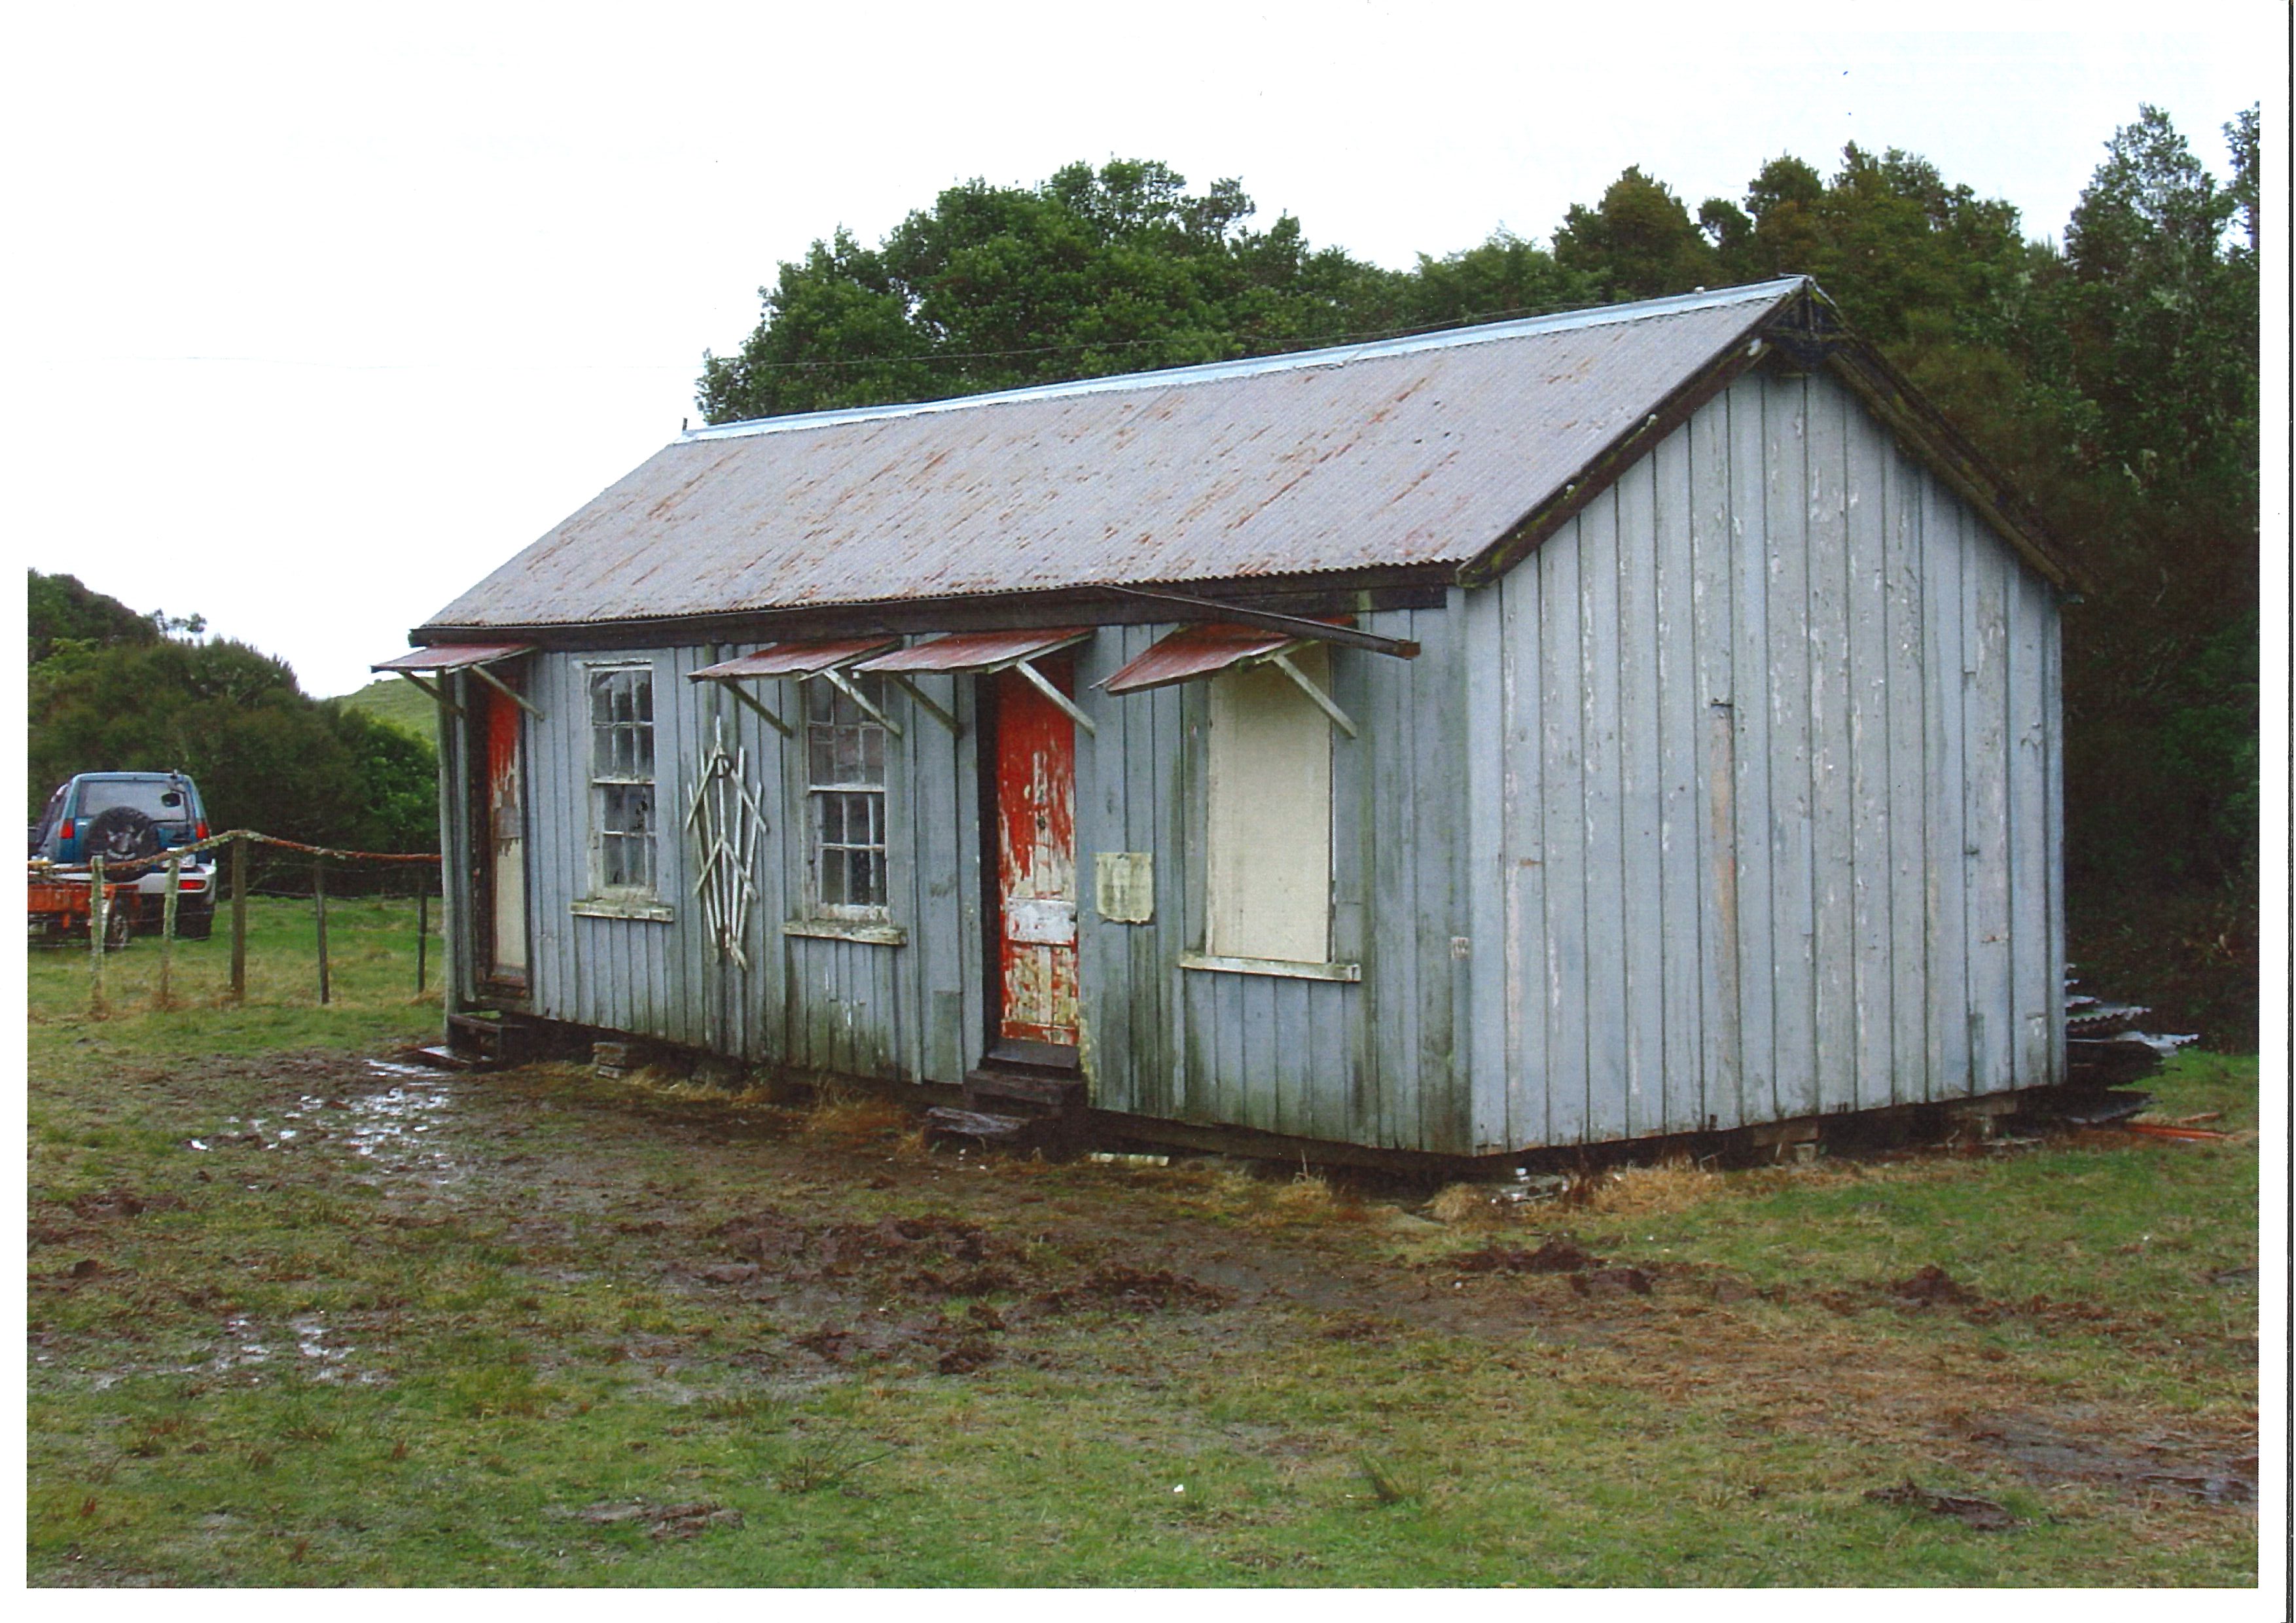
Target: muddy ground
818	1245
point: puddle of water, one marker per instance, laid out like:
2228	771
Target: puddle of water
311	1342
388	1123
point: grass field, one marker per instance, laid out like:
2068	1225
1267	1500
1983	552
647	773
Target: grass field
398	702
298	1321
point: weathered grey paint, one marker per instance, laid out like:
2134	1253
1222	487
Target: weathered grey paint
1736	801
1780	831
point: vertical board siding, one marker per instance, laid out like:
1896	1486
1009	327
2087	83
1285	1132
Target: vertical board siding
1634	643
1793	922
1524	858
1833	876
1738	800
1749	581
1680	724
1867	792
1561	779
1777	828
2033	1002
1714	699
1485	1010
1985	766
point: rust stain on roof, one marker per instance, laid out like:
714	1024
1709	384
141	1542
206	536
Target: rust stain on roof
1409	452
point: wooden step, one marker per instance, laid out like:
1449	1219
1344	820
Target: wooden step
1036	1094
478	1042
1012	1131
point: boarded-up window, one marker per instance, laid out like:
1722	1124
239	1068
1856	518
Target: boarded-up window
845	781
621	778
1268	869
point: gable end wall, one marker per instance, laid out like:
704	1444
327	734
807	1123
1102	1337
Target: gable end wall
1763	768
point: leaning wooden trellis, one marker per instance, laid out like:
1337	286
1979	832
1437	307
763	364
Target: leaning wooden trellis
725	821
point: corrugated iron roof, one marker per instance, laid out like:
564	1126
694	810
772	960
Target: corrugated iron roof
1410	450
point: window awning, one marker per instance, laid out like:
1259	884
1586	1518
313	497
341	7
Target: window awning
1196	652
795	659
981	653
826	660
974	651
445	659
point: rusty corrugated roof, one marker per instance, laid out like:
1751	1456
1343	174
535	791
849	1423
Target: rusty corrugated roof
1410	450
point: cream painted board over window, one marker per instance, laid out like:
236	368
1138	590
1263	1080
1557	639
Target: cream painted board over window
1268	870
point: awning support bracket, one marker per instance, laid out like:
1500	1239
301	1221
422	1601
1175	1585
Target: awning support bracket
836	679
772	720
438	694
1282	659
934	711
1044	686
496	683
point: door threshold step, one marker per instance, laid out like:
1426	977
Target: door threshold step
993	1087
982	1127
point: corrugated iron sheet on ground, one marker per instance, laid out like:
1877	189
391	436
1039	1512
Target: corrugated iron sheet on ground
1408	452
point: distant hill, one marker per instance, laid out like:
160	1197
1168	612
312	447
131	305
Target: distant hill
398	704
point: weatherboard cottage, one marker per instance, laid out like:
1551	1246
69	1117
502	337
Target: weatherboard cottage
1624	723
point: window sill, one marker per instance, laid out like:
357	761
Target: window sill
1287	968
847	930
620	907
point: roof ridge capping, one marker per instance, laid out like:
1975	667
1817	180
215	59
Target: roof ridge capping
1177	377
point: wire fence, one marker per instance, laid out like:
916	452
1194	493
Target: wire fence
104	896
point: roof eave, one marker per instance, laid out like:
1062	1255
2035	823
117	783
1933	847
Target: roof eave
1808	326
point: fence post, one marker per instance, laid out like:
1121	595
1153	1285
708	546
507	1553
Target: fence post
99	920
239	919
319	897
421	932
168	933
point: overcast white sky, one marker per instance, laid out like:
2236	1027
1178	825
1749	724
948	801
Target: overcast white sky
319	313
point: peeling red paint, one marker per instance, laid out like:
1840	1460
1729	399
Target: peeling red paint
1036	857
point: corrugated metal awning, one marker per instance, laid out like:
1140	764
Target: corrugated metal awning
974	651
795	659
445	657
1193	652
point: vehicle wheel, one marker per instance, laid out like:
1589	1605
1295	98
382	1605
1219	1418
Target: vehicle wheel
118	923
121	833
195	926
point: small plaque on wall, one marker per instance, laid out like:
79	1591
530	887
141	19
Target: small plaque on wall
1124	886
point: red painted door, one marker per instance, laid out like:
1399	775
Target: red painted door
1035	858
505	897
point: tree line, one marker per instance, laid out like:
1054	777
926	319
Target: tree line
114	691
2110	372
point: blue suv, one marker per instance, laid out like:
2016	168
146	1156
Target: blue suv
124	816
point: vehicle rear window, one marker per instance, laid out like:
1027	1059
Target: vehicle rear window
143	795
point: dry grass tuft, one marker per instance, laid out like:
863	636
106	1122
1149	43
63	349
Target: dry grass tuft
849	1121
1674	1185
1467	1206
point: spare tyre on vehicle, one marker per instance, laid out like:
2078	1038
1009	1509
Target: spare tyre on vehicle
121	833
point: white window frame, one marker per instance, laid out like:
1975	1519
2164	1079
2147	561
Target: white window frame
872	797
624	899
